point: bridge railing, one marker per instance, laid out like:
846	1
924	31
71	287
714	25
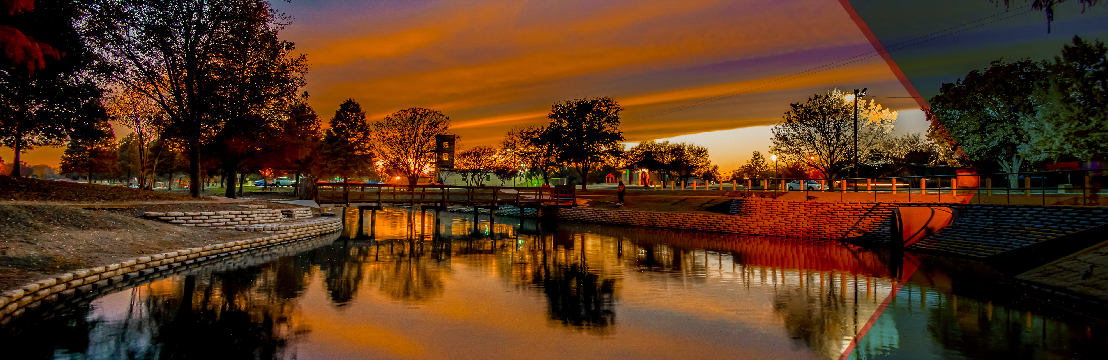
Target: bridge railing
443	195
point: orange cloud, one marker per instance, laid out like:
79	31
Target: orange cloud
397	44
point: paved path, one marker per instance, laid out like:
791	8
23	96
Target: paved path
1072	273
214	200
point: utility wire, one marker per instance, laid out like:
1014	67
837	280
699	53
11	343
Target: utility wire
1008	14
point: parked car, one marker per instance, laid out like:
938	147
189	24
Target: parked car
259	183
808	185
284	182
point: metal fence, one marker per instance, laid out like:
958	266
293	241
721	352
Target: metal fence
1064	187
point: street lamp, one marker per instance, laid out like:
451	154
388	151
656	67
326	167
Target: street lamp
857	94
775	171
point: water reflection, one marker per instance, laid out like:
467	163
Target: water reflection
429	286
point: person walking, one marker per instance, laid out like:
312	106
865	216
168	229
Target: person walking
619	192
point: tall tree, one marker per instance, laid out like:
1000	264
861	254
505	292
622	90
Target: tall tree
820	132
404	142
475	164
658	157
300	134
259	78
185	55
345	148
91	155
755	168
983	114
529	146
690	160
585	131
47	93
1072	117
147	122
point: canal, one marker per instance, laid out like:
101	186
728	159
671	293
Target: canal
436	288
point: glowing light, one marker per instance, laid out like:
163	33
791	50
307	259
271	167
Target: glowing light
849	97
774	157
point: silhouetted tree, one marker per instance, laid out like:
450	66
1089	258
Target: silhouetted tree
259	81
188	55
983	114
584	131
91	154
475	164
404	142
1072	119
345	148
528	146
46	87
820	132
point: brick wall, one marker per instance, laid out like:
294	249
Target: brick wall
755	216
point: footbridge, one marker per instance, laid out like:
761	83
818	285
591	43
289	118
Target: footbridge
441	196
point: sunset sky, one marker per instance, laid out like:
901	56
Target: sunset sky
716	73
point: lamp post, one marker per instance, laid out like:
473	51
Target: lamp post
775	171
856	95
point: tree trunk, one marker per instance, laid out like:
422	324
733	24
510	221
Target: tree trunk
18	147
296	189
1012	167
194	169
242	180
583	170
229	169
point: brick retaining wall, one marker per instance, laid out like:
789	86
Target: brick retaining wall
14	303
768	217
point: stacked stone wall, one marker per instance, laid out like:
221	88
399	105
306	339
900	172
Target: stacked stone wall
220	218
767	217
986	230
15	302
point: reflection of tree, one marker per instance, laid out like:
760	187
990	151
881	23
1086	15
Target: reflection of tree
576	297
342	276
32	337
235	314
819	318
408	279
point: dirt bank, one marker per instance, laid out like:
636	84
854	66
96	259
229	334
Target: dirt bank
23	189
43	240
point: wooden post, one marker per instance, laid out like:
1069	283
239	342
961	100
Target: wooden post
894	185
869	184
989	186
749	184
694	185
1088	184
734	185
1027	185
954	186
923	186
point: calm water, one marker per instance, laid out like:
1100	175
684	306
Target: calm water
559	291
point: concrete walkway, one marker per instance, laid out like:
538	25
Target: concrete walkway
1084	273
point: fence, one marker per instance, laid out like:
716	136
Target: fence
1068	187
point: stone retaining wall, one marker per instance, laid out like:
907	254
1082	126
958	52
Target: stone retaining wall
234	260
768	217
985	230
15	302
230	218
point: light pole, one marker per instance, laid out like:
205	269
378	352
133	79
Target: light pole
857	94
775	171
